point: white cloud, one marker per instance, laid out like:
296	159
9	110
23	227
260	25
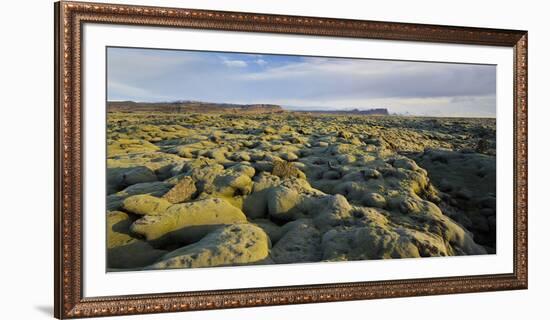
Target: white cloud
314	67
235	63
353	78
260	62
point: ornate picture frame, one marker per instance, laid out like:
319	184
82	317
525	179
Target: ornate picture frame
70	17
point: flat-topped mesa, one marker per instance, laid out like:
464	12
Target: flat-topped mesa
191	106
378	111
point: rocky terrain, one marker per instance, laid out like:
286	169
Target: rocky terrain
188	190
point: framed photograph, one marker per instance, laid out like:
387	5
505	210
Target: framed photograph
209	159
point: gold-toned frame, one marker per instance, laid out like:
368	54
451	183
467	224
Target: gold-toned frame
69	19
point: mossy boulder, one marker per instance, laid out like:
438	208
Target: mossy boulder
127	146
468	180
120	178
138	175
123	250
231	245
157	189
232	184
118	229
204	174
329	210
269	130
134	255
283	203
145	204
365	243
274	231
300	243
182	191
289	156
373	199
255	204
187	222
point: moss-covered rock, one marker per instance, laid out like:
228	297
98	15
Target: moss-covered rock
283	203
330	210
274	231
300	243
231	184
118	229
468	180
126	146
123	250
134	255
182	191
120	178
187	222
157	189
365	243
226	246
373	199
145	204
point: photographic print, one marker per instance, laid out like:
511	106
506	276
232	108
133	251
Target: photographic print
231	159
209	159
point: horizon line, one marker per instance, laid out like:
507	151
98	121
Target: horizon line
297	109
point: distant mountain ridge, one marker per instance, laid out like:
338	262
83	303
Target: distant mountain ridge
212	107
375	111
192	106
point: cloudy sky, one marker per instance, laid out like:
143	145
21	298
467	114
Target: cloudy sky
297	82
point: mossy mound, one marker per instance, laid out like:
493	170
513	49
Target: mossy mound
123	250
227	246
127	146
187	222
145	204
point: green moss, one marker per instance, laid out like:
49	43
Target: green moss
186	221
145	204
128	146
231	245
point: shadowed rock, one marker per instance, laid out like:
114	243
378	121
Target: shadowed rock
136	254
123	250
301	243
469	183
283	202
119	178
